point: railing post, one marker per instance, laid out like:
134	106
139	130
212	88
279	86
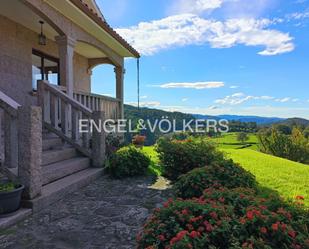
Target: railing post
10	140
98	140
30	150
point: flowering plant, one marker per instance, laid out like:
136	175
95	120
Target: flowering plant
225	173
223	218
139	140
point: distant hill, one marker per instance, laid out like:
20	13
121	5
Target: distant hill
295	122
256	119
134	115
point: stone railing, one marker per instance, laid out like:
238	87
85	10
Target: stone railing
9	132
96	102
62	115
110	106
22	127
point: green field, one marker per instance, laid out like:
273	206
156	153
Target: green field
287	177
229	141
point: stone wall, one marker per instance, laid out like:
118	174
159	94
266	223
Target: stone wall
16	44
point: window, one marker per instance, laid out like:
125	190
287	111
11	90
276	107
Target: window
44	67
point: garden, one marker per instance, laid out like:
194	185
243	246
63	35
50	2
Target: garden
217	203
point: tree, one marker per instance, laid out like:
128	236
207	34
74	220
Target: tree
306	132
242	137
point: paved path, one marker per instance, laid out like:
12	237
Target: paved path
107	214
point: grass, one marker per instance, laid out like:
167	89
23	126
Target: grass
287	177
154	168
229	141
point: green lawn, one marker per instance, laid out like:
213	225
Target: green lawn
229	141
287	177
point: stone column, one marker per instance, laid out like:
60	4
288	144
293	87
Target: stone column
119	71
98	139
30	150
10	141
66	52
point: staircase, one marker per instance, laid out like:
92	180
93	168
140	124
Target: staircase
64	170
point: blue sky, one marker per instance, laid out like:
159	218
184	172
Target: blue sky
214	56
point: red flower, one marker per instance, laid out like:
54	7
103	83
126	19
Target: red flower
161	237
208	226
214	215
250	215
178	237
221	199
184	212
283	226
263	230
242	221
275	226
292	234
194	234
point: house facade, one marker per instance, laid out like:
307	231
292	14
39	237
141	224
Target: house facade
48	49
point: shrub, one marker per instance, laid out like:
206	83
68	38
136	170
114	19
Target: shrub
221	219
294	147
179	157
225	173
128	161
113	143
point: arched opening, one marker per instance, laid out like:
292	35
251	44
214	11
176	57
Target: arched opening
103	80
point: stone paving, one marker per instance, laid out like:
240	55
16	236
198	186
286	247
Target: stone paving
107	214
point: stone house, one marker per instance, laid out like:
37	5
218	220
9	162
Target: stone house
48	49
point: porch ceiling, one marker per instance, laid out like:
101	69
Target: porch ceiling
19	13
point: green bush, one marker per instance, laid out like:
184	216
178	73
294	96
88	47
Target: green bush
220	219
225	173
179	157
294	147
128	161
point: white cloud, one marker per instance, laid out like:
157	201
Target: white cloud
144	97
239	98
194	6
194	85
184	99
151	104
298	15
187	29
283	100
234	87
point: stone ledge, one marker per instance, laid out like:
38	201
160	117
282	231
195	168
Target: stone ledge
14	218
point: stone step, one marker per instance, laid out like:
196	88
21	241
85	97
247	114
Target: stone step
58	155
53	172
48	135
52	142
57	190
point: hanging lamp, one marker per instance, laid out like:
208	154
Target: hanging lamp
42	37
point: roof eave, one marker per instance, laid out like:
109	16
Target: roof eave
106	27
